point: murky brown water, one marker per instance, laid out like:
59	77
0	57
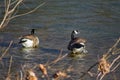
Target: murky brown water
97	20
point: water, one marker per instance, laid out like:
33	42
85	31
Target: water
97	20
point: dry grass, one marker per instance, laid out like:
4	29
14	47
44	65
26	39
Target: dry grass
104	67
11	10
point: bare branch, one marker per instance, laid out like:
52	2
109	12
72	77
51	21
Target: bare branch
6	50
115	67
114	61
27	12
107	55
60	57
9	69
88	70
10	9
112	47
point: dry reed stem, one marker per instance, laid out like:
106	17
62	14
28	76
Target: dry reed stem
8	12
44	71
6	50
107	56
31	11
103	66
114	61
116	51
9	69
115	67
43	67
21	75
87	72
112	48
101	74
31	75
60	57
11	9
59	74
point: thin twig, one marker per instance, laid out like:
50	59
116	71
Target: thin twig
114	61
60	57
31	11
21	75
7	7
9	69
115	67
116	51
10	8
102	76
11	42
10	65
88	70
112	48
107	55
98	75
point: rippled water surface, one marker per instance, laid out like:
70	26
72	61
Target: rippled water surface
97	20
